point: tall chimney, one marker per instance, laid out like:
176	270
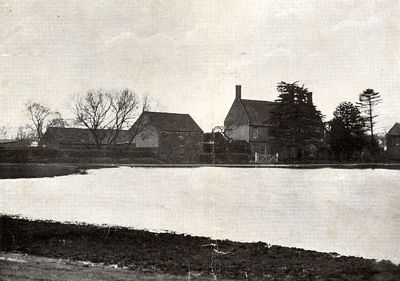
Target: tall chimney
238	92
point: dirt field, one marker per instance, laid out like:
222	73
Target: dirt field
18	267
172	254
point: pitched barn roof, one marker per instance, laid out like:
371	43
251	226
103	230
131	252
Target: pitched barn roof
395	130
171	122
259	112
83	136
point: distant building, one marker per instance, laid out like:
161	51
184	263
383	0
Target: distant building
250	120
79	138
393	142
11	143
176	137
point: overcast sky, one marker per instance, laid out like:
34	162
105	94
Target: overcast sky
190	54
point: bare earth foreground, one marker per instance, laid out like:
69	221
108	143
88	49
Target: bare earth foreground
125	254
14	266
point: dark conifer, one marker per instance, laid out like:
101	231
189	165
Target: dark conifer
298	124
346	131
368	101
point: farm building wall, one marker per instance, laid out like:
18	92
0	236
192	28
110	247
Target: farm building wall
10	144
236	122
240	132
393	147
148	137
48	141
180	147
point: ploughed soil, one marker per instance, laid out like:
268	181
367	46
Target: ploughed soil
23	267
40	170
28	170
178	254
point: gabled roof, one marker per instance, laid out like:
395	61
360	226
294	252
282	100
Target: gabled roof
395	130
83	136
171	122
259	112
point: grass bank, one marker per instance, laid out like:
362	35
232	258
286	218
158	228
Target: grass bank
30	170
180	254
39	170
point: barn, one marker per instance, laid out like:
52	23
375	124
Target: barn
79	138
176	137
393	142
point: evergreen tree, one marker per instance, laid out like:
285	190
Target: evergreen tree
298	124
368	101
346	131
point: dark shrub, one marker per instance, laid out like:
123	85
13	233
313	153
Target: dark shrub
224	158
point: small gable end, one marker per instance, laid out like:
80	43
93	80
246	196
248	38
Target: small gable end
236	116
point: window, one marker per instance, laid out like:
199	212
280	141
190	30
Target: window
263	150
293	152
255	132
313	150
182	151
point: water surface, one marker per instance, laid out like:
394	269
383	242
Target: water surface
351	212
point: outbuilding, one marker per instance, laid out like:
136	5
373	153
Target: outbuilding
176	137
80	138
393	142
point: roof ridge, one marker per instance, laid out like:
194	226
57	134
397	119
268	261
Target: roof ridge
258	100
160	112
75	128
172	121
257	111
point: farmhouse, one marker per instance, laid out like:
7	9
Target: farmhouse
250	120
78	138
176	137
393	142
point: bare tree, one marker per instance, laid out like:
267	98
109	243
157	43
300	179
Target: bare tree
92	112
38	115
148	104
25	132
124	106
3	132
57	121
42	117
111	110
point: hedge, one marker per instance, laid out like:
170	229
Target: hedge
224	158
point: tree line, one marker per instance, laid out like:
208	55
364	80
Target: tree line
298	124
348	130
97	110
349	135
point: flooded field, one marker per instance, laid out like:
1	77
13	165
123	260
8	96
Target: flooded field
351	212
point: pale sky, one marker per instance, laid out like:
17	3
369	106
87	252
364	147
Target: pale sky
189	55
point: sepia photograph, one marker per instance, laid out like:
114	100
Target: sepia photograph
200	140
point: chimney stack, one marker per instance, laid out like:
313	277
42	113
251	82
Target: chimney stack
239	92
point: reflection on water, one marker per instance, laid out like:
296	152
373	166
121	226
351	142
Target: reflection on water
352	212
